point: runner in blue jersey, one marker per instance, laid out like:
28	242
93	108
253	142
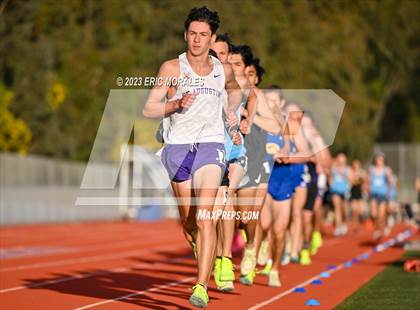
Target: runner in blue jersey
379	180
284	179
340	184
302	178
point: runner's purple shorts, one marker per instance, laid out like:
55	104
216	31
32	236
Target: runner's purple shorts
182	160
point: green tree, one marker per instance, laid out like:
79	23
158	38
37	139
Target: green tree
366	51
15	136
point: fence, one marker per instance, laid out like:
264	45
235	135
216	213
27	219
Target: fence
36	189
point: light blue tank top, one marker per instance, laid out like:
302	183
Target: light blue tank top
340	183
378	182
233	151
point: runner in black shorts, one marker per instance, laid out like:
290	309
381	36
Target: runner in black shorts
356	194
241	57
312	187
316	163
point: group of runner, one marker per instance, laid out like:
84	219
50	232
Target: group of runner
350	188
233	147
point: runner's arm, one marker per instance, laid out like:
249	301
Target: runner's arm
251	106
368	182
303	154
268	124
365	182
330	178
265	118
389	179
155	105
319	148
351	177
294	130
232	88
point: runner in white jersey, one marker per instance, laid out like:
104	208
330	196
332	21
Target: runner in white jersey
194	134
202	121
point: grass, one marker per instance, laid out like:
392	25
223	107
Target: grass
393	288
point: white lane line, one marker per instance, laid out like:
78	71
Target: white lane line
285	293
95	258
190	279
138	293
379	248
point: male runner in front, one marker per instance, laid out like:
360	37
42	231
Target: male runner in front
194	133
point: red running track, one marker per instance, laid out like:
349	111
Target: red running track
150	266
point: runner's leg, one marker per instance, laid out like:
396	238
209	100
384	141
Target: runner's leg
206	181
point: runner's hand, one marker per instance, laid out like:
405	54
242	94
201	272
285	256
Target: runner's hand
244	127
232	119
186	101
281	157
237	138
244	112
